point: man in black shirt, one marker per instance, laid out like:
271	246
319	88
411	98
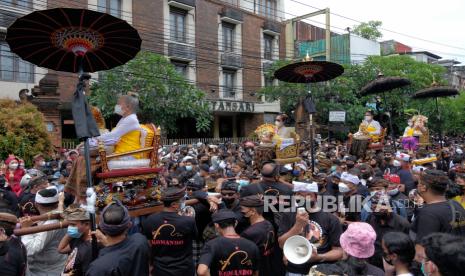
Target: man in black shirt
322	229
171	236
230	197
260	231
77	241
436	214
269	186
352	199
228	254
12	251
383	220
122	255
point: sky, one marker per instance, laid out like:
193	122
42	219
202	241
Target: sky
424	25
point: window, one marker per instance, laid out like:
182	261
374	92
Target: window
22	4
13	68
112	7
268	54
229	83
178	25
266	8
180	67
228	36
268	81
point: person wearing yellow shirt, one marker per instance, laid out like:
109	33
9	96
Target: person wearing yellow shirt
369	128
409	141
126	135
460	180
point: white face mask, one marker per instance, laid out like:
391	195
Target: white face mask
343	188
118	110
42	163
410	124
393	192
367	118
13	166
396	163
278	123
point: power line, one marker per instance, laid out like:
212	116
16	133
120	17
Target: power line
384	29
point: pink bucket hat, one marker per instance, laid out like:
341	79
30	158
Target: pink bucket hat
359	240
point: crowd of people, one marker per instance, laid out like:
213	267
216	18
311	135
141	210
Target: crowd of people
223	214
411	220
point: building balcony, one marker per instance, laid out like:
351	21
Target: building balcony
9	14
182	4
181	51
231	15
231	60
271	27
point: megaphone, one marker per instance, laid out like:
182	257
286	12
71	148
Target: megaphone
297	249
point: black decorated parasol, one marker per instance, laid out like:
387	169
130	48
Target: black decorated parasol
436	92
73	40
381	85
309	71
76	41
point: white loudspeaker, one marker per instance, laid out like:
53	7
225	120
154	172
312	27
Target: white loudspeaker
297	249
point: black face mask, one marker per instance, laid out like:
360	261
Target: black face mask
390	262
366	175
381	215
350	165
228	201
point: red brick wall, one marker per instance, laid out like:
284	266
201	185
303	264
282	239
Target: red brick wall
80	4
206	29
251	49
147	18
402	48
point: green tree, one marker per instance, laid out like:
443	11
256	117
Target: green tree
342	93
22	131
165	96
368	30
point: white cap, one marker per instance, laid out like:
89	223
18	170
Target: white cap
44	200
403	156
345	176
288	166
302	166
309	187
188	157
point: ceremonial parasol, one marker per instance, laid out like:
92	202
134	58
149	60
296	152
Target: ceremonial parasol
436	92
309	71
383	84
76	41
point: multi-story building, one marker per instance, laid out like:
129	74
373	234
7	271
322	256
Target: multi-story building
223	47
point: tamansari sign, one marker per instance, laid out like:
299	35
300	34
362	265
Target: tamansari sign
231	106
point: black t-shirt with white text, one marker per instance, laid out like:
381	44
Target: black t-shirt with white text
264	236
80	257
330	230
230	256
171	236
